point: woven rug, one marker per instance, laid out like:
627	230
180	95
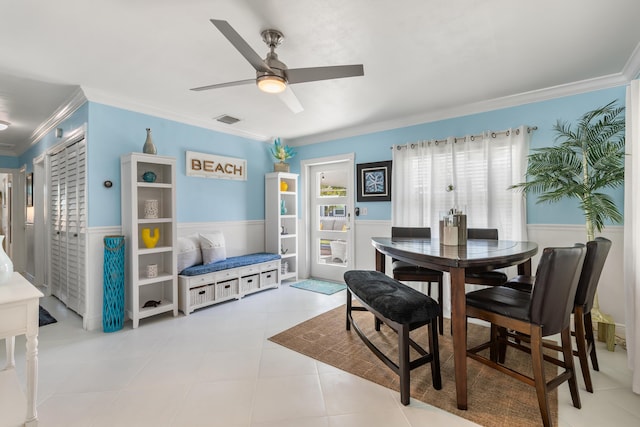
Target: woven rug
44	318
319	286
494	399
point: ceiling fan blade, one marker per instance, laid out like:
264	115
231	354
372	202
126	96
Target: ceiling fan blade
242	46
291	100
301	75
219	85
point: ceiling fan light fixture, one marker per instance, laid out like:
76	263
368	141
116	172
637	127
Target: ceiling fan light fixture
271	84
4	125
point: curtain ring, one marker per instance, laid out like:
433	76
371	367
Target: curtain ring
507	133
493	135
472	138
517	131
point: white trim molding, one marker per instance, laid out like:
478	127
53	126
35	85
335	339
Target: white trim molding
63	112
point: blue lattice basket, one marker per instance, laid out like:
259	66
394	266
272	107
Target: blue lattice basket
113	294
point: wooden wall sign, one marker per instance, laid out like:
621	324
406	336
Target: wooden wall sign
214	166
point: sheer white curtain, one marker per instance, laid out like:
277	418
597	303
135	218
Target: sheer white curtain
632	231
472	172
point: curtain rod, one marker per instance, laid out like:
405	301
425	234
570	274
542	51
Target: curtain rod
493	134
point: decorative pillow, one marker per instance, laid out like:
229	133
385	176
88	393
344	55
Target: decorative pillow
213	247
189	253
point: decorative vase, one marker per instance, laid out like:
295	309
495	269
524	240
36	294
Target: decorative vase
113	286
283	207
150	241
6	266
148	147
149	176
151	209
281	167
152	270
284	186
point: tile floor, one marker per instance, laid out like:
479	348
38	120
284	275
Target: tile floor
216	367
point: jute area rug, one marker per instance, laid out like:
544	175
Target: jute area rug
494	399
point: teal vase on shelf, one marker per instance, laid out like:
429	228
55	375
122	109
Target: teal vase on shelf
283	207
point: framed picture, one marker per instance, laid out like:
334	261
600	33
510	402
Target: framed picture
30	190
374	181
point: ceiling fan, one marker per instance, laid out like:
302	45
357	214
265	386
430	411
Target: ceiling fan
272	75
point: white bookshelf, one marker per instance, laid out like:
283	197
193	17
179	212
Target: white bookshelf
141	288
281	229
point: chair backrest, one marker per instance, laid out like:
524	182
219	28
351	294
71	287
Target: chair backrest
482	233
597	251
420	232
555	287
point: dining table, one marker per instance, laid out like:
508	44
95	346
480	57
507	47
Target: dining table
475	256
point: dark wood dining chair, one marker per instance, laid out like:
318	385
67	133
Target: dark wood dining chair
597	252
543	312
487	278
405	272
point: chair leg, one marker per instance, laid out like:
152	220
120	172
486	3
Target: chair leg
538	374
581	345
404	364
435	352
349	302
440	300
591	345
567	353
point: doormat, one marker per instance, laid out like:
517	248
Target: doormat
319	286
44	318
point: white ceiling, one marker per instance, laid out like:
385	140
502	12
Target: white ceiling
423	59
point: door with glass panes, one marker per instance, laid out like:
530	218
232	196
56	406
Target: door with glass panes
331	220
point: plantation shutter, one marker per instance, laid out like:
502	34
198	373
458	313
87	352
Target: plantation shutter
68	226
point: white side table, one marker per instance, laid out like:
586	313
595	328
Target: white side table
19	306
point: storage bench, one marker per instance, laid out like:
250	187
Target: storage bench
203	285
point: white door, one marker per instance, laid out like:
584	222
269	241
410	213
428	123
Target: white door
67	213
330	196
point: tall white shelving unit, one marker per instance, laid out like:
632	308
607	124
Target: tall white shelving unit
281	228
159	291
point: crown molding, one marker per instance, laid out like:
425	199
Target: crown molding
631	69
559	91
75	101
101	97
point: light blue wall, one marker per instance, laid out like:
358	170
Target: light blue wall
375	146
9	162
113	132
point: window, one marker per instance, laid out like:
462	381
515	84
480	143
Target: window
472	173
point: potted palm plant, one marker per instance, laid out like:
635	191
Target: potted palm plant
588	159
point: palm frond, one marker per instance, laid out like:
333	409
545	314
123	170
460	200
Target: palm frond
587	157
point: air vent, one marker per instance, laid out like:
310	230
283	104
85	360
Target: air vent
227	119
